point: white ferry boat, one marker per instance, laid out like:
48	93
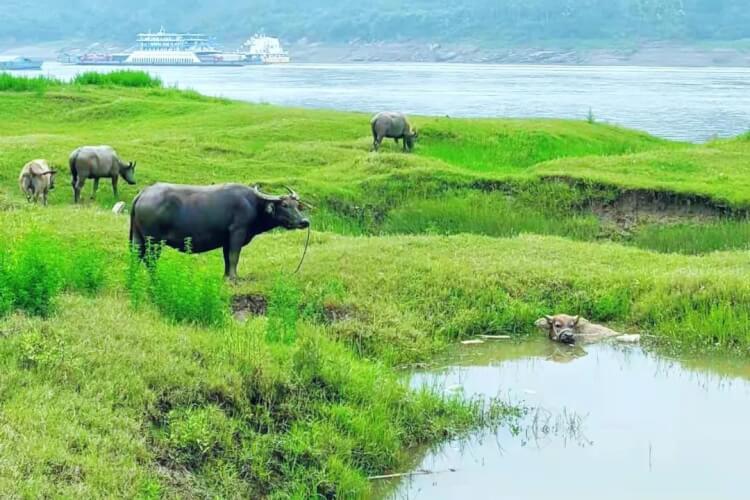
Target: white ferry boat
12	63
265	50
168	49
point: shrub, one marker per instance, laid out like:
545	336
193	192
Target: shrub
85	270
185	293
122	78
6	292
41	349
136	279
34	274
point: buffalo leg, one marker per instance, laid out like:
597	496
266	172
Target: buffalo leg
376	142
114	186
232	254
77	188
231	259
96	188
139	244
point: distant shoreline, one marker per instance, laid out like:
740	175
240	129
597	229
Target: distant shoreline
646	55
651	54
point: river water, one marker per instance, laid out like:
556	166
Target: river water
691	104
606	422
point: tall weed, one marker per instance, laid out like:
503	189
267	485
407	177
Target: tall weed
85	270
283	311
35	274
186	293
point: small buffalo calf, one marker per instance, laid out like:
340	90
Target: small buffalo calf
37	179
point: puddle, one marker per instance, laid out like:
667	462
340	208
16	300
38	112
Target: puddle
609	422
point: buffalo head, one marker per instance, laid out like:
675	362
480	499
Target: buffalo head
128	172
411	138
285	211
562	328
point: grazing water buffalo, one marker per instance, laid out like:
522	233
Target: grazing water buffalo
96	162
395	126
37	179
225	216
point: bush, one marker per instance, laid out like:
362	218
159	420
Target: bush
6	292
122	78
136	279
34	275
85	270
184	292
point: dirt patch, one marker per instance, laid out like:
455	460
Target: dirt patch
249	305
634	208
338	312
628	208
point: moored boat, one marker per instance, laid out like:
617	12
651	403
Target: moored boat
12	63
264	49
167	49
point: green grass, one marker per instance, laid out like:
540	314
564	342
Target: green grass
147	387
695	238
38	84
487	214
121	78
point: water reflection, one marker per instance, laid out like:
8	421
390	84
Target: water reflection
606	421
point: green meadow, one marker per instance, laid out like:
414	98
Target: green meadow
120	380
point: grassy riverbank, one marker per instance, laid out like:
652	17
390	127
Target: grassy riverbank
115	385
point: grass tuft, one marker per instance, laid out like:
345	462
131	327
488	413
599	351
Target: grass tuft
120	78
38	84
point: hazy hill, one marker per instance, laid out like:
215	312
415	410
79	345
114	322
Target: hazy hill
484	22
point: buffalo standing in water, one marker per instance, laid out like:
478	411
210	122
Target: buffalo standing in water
96	162
227	216
394	126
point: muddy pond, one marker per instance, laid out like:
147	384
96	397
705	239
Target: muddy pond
603	421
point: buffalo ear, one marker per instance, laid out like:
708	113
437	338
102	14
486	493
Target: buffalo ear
270	208
549	319
576	320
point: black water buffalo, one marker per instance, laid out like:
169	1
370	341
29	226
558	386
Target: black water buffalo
95	162
225	216
394	126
